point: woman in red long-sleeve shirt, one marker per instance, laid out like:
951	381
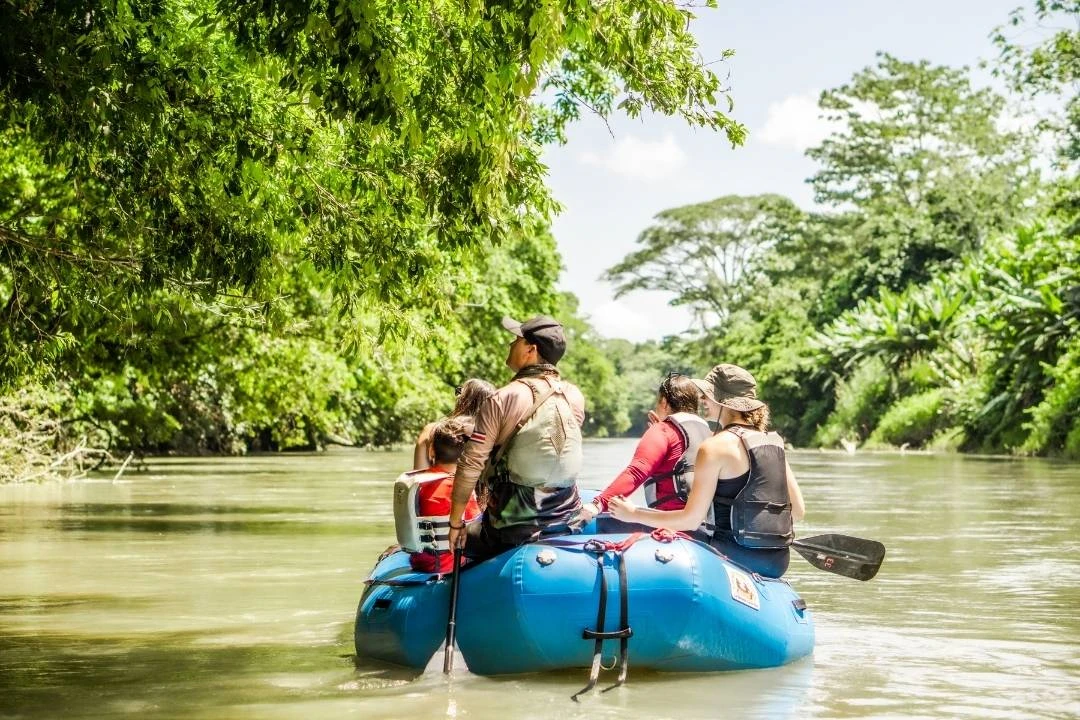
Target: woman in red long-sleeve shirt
664	458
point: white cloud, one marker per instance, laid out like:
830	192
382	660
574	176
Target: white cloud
795	122
639	159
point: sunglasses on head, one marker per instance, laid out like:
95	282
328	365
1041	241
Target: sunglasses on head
665	384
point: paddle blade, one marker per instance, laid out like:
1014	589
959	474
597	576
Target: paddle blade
842	554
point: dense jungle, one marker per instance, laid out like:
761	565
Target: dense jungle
229	227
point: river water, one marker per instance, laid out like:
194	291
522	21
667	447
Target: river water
225	588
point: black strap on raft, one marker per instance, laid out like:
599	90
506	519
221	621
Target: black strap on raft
598	634
624	632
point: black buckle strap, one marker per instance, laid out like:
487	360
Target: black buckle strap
623	634
624	610
594	671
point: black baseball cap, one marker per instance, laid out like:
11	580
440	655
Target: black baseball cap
545	332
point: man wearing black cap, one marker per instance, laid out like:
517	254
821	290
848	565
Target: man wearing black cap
526	444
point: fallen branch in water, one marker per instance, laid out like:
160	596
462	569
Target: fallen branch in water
36	446
123	466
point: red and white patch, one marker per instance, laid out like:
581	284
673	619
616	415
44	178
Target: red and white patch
478	437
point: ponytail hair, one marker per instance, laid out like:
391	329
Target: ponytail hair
448	438
471	395
758	419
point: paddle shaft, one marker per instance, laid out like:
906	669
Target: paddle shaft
451	622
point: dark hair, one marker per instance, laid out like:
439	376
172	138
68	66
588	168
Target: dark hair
471	396
680	392
448	438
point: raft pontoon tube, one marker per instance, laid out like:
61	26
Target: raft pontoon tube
669	602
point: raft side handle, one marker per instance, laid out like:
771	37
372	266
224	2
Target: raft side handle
587	634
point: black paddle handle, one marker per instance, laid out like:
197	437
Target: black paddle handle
451	622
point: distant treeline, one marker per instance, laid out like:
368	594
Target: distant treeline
233	226
934	299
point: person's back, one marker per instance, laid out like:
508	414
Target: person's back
752	502
527	444
663	461
533	490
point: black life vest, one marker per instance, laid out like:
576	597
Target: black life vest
693	430
761	511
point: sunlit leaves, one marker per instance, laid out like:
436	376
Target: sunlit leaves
930	322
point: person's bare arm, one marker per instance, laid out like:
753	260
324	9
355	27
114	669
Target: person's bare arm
420	460
798	509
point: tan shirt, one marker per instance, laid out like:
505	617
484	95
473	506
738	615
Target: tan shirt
496	419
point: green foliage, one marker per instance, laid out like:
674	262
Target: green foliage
204	147
229	225
640	368
913	420
703	253
38	439
1031	308
861	398
924	169
925	308
930	322
1050	67
1055	422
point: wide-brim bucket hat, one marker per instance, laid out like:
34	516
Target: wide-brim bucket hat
732	387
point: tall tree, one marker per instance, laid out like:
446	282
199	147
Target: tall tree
203	146
703	254
1049	69
924	163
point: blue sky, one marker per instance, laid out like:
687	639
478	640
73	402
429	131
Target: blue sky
786	53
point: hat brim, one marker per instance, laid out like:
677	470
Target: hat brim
512	325
741	404
706	388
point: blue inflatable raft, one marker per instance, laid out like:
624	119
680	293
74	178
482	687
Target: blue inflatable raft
537	607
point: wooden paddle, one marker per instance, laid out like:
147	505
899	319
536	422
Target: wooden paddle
842	554
451	622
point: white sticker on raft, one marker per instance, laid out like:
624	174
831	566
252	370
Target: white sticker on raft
742	588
